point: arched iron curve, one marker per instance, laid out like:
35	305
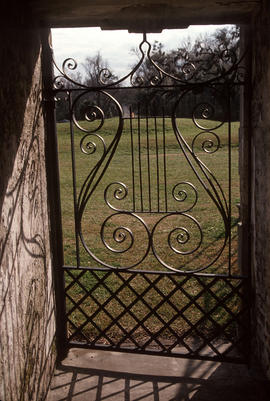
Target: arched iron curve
225	62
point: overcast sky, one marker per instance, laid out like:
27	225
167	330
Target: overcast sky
115	46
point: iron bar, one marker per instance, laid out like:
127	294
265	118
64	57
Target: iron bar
180	88
157	162
165	273
73	166
164	158
230	181
132	158
148	160
140	155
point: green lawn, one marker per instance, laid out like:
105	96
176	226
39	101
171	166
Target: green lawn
130	234
177	169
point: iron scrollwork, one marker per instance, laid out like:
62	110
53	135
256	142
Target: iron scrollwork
120	192
125	227
206	67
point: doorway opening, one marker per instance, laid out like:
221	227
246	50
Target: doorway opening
150	199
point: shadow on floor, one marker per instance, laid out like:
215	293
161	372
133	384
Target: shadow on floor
183	381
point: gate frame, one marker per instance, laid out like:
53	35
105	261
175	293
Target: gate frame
52	168
54	201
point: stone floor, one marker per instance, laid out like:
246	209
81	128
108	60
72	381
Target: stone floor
87	375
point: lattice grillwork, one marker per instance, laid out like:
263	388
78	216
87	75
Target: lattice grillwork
195	316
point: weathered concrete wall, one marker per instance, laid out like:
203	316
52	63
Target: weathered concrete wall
141	15
26	295
260	120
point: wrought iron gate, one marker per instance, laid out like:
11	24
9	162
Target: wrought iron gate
154	266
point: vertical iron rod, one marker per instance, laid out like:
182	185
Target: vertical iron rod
245	156
140	155
73	163
164	159
148	159
245	164
157	161
230	177
132	158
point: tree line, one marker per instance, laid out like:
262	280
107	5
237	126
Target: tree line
192	61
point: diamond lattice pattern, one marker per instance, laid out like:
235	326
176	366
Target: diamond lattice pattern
173	314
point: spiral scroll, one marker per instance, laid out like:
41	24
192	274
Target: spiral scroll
184	237
104	76
88	144
205	112
118	191
59	82
129	239
189	69
186	195
121	236
92	114
205	66
208	141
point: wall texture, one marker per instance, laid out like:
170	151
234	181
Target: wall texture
27	325
260	120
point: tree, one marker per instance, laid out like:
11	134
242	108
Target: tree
208	57
95	71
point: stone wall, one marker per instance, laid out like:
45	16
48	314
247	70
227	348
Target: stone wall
260	120
27	323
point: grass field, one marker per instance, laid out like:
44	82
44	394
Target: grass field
131	239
